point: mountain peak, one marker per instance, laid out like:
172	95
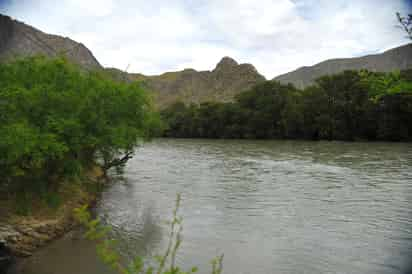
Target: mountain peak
226	62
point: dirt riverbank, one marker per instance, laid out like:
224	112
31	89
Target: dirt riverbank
20	235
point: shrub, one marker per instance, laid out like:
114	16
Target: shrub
57	120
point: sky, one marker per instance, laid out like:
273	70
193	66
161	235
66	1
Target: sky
276	36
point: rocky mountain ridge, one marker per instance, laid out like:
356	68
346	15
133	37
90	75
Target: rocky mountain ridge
18	39
221	84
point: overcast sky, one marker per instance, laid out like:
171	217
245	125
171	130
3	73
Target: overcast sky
276	36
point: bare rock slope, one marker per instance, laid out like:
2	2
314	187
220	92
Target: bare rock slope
18	39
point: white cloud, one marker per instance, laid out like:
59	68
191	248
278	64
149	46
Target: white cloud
95	8
275	35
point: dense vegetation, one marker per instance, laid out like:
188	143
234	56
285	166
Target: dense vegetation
57	120
348	106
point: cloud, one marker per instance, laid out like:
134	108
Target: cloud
275	35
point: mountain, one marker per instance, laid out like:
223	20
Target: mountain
18	39
222	83
190	86
399	58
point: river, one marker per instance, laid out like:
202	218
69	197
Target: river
269	206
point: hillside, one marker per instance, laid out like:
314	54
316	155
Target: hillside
18	39
221	84
399	58
190	86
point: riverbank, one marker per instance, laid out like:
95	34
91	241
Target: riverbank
20	236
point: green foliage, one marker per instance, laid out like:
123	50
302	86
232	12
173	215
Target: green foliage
57	120
164	264
381	84
339	103
351	105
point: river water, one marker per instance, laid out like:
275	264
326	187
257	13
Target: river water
269	206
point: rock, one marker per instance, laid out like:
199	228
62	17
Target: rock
226	64
20	236
23	236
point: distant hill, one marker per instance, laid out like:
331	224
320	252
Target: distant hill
190	86
18	39
394	59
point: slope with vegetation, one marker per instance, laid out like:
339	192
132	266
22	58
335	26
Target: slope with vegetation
190	86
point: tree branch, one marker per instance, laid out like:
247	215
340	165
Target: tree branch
118	161
406	23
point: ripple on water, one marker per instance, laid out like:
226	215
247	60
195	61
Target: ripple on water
270	206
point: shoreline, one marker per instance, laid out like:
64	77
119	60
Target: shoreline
21	236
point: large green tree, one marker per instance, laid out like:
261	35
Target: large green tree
56	120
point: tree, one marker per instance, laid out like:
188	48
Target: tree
335	106
405	23
57	120
394	112
351	105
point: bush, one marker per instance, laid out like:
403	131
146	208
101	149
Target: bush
57	120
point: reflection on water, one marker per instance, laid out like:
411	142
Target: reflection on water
74	254
270	206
